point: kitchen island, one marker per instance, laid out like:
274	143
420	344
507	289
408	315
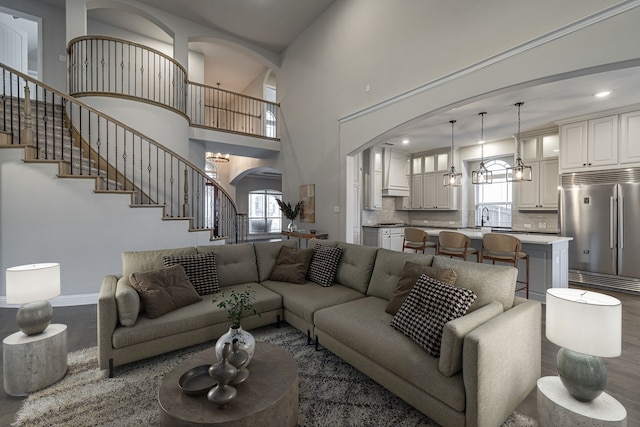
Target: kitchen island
548	258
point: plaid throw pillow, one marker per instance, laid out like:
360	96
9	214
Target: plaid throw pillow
201	270
428	307
324	264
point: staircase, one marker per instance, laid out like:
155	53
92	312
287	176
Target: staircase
86	144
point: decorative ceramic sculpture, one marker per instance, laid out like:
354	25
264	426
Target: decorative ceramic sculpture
223	373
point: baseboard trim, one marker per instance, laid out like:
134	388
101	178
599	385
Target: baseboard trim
61	301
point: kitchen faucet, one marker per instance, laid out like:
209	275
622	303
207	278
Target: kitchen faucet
482	216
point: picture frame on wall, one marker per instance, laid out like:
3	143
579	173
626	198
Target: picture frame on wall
308	197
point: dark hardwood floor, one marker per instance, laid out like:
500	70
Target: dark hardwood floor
624	371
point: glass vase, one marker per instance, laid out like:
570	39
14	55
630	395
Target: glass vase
292	226
245	341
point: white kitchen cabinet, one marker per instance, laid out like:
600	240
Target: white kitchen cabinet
589	143
629	137
427	191
372	170
541	193
387	237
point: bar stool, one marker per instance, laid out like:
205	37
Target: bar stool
454	244
417	239
505	248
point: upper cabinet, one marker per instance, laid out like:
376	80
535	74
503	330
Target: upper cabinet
629	137
427	174
541	153
589	143
395	182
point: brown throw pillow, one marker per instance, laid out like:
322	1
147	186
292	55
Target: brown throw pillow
292	265
410	274
164	290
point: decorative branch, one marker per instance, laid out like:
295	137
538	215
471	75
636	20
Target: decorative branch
290	212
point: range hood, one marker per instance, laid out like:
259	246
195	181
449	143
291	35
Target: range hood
395	173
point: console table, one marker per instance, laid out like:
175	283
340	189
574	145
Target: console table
556	407
305	235
32	362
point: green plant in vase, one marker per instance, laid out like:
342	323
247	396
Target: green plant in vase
238	306
291	212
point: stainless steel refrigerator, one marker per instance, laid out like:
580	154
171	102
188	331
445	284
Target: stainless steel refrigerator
604	221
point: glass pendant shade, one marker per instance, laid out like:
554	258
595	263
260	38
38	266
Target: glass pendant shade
482	175
453	178
519	171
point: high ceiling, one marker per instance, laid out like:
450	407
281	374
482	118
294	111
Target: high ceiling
274	24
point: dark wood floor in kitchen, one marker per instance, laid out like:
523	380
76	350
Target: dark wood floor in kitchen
624	371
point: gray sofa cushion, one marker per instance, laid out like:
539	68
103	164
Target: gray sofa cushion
305	300
363	325
266	254
356	266
488	282
388	269
134	261
235	263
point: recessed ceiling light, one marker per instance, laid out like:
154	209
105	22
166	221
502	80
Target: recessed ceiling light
405	141
481	141
603	94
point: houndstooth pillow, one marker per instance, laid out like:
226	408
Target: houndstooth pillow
427	308
201	270
324	264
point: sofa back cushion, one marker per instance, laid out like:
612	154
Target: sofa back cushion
356	266
139	261
488	282
388	269
266	255
235	263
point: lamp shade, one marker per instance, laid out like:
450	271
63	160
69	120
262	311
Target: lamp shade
32	282
584	321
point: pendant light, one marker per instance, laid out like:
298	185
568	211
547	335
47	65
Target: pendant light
452	179
519	171
482	175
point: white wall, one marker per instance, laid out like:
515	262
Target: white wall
62	220
418	58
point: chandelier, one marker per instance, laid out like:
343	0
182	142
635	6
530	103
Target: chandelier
482	175
218	157
452	179
519	171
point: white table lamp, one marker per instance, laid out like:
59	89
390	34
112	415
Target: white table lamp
32	285
588	326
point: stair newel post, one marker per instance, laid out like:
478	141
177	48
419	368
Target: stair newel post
27	131
185	205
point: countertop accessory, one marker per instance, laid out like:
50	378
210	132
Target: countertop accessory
196	380
588	326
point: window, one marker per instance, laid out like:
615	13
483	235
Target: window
264	212
210	168
493	201
270	112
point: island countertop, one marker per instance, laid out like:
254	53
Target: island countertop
475	234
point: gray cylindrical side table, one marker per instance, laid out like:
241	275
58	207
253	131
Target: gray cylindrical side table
34	362
556	407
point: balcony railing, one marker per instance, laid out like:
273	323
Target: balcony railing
105	65
212	107
115	67
56	127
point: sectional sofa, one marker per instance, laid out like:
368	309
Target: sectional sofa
489	358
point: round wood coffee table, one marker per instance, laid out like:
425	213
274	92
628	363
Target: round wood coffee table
269	397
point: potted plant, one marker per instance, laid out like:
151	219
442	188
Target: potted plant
290	212
238	306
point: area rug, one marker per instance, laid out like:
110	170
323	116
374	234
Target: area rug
331	392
